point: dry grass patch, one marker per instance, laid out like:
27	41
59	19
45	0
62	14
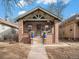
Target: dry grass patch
14	51
63	52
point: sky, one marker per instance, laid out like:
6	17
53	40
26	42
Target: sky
71	9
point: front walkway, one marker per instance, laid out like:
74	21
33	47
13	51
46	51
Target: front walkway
37	52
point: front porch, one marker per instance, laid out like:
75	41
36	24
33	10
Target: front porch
33	31
39	24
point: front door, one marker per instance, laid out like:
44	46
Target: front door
37	38
38	33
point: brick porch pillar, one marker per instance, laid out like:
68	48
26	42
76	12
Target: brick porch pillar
56	30
53	33
20	29
74	31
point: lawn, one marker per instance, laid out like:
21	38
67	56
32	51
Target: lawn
14	51
63	52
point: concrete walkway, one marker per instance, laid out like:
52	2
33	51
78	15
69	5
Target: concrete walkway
37	52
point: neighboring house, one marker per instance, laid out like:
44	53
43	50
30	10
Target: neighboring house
8	31
69	29
7	23
39	22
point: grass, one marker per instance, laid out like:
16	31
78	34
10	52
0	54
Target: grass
14	51
63	52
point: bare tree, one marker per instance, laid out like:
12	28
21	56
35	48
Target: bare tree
10	5
57	8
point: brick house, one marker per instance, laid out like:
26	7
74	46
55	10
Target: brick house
8	31
38	21
69	29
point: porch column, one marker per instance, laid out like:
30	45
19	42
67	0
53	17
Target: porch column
74	31
53	33
20	30
56	30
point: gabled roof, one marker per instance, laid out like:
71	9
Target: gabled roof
28	12
70	19
7	23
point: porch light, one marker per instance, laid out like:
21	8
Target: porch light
46	26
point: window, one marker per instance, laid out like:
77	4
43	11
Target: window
48	28
78	24
29	28
70	29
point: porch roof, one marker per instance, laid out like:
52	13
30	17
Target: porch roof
28	12
74	18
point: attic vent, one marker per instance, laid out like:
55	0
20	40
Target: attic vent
34	17
38	16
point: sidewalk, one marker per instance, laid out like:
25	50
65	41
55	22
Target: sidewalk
37	52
